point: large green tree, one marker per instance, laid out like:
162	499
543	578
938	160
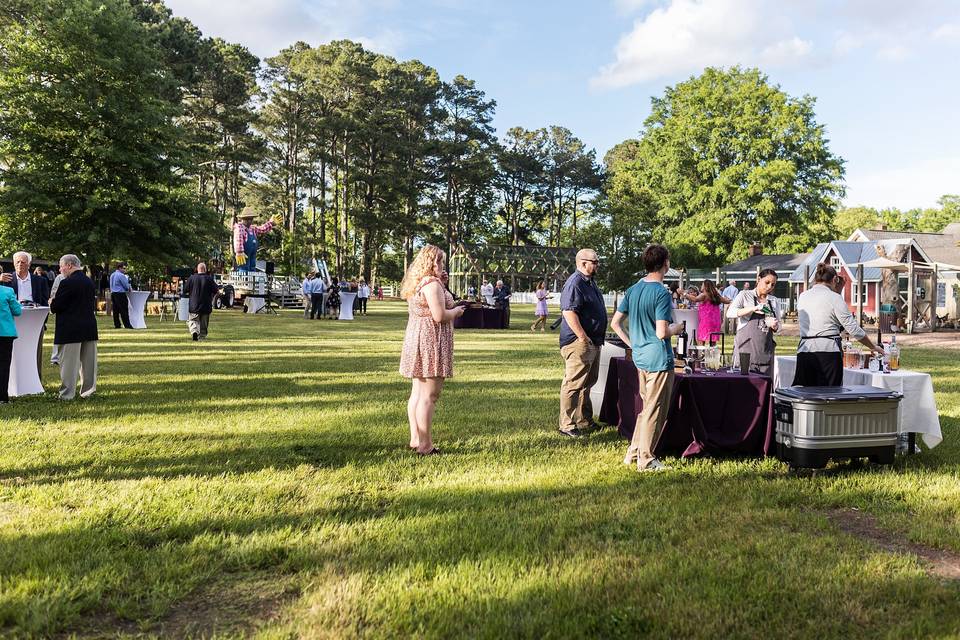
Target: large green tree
728	159
93	161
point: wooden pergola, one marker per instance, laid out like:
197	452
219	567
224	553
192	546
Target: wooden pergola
521	266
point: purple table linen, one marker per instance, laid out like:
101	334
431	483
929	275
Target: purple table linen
718	414
481	318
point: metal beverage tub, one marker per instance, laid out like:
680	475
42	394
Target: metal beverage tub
815	424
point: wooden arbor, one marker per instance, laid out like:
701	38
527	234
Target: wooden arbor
522	266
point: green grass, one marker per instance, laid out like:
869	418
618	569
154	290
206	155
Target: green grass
199	495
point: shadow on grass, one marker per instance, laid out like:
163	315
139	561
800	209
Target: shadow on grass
468	561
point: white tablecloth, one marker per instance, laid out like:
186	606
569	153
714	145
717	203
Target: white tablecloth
918	409
607	351
24	376
346	305
183	309
691	317
137	303
254	303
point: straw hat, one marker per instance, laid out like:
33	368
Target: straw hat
248	213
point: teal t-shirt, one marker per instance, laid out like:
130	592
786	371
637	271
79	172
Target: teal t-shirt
645	303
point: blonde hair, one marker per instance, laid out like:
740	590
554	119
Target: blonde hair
424	265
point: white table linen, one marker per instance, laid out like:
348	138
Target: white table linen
918	409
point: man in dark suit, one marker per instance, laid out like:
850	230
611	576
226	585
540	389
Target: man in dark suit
501	298
202	289
76	332
28	287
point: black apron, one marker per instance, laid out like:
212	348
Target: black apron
820	368
752	339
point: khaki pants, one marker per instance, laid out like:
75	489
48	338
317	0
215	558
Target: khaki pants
78	358
655	390
306	306
581	369
198	323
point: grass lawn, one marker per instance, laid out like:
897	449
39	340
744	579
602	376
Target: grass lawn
259	484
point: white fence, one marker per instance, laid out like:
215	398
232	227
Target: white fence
530	297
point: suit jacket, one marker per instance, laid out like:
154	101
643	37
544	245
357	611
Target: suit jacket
502	296
75	306
41	288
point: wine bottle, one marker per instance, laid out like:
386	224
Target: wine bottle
682	339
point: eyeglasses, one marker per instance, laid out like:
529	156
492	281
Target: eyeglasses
592	261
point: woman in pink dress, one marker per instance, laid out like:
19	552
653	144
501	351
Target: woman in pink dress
541	310
427	357
708	310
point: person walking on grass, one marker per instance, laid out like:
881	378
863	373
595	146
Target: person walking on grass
582	330
202	289
75	335
647	310
427	357
541	310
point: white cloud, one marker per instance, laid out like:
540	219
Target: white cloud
916	185
786	51
893	52
947	31
677	37
267	26
846	42
687	35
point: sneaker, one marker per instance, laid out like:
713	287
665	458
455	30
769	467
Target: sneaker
654	465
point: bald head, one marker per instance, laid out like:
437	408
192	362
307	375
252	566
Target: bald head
587	261
202	267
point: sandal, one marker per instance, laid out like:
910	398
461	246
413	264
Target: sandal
432	452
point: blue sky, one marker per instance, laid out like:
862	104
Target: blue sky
884	72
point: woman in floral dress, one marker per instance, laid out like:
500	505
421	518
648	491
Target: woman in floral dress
427	357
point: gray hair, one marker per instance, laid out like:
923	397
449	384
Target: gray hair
23	253
71	260
499	281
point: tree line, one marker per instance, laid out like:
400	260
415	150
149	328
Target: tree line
124	132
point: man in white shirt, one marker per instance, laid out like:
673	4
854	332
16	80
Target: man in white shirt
363	294
486	292
731	291
29	288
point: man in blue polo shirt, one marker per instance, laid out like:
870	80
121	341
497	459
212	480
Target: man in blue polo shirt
582	330
649	313
119	288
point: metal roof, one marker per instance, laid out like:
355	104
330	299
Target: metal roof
850	253
784	262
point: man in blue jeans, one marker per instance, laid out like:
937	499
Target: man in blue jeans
649	313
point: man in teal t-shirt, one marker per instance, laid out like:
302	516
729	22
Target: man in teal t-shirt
649	313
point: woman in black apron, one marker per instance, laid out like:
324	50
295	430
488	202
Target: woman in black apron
823	315
751	308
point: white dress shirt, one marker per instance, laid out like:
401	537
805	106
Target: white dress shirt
24	288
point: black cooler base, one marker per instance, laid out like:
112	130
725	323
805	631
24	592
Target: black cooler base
818	458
